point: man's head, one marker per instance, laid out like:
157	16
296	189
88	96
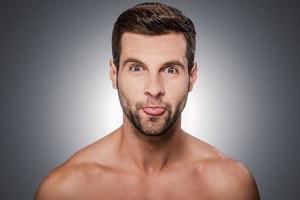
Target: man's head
153	19
153	67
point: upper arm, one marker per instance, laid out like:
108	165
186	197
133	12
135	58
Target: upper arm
51	188
233	181
59	184
45	190
242	185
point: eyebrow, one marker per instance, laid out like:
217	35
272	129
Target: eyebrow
135	60
171	62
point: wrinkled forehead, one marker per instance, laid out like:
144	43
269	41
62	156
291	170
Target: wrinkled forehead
153	49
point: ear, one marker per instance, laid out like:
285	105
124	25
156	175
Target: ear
193	76
113	73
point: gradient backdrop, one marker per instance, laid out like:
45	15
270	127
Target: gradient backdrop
56	96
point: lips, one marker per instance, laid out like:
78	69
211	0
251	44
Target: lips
154	110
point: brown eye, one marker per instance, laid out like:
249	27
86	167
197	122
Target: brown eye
171	70
136	68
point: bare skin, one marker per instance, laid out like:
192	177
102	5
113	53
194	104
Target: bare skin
127	164
199	172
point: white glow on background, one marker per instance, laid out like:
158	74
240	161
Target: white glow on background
86	107
57	96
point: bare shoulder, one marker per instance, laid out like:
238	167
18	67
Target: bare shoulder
71	178
229	179
224	177
66	181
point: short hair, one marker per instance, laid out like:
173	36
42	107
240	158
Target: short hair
153	19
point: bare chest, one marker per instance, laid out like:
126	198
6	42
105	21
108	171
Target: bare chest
174	186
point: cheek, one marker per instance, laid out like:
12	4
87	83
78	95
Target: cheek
132	88
176	89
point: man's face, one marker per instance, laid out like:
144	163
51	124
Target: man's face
153	80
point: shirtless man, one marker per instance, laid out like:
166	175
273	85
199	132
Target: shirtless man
150	156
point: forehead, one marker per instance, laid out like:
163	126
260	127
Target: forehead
153	49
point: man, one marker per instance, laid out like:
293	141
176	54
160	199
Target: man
150	156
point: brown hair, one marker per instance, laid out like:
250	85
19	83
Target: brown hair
153	19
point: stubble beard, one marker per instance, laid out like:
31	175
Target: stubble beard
153	126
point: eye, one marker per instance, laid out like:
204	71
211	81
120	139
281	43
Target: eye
171	70
135	68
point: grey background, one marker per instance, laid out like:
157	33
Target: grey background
56	96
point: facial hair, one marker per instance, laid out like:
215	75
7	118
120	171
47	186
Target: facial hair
153	125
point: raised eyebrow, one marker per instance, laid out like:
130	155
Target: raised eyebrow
174	62
134	60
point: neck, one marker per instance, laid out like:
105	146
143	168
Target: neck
150	154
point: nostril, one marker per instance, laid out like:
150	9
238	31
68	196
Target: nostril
154	87
154	91
154	94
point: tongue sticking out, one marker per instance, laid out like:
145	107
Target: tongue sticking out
154	111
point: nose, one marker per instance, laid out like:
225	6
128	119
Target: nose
153	87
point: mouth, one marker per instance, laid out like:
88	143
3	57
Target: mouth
154	111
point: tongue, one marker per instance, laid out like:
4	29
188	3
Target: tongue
154	111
